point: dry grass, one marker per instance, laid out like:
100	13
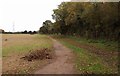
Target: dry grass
15	46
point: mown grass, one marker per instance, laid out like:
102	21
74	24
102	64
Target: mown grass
88	62
17	46
24	43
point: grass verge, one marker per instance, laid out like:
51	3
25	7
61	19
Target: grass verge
88	62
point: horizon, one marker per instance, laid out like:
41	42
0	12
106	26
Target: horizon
21	15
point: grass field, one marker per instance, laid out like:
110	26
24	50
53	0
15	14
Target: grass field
91	56
14	46
96	56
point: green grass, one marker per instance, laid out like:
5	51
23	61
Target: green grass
102	44
88	62
25	45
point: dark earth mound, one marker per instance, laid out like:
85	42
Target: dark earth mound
41	54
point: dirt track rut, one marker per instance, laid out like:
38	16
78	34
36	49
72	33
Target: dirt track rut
63	63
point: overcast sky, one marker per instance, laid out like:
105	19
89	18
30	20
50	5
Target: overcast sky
26	14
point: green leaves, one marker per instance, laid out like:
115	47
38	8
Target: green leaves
91	20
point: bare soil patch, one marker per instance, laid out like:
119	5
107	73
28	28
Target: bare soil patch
63	63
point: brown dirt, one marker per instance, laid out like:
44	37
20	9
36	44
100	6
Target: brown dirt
41	54
63	63
107	56
15	65
11	62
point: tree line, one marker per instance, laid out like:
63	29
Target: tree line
89	20
21	32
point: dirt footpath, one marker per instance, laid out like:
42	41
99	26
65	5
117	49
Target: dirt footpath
63	63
